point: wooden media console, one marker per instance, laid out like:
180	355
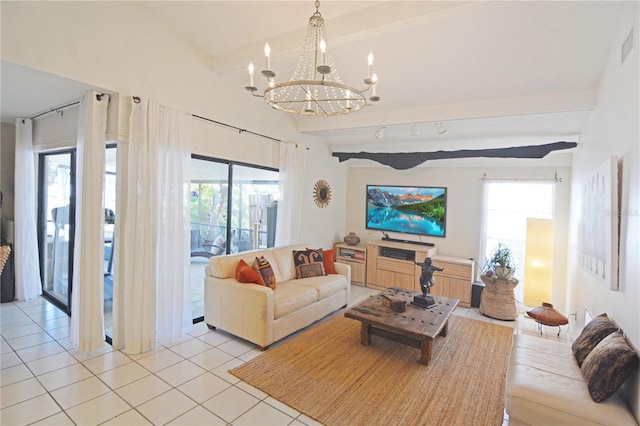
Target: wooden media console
392	264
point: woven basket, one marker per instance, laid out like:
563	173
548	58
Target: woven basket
4	255
497	299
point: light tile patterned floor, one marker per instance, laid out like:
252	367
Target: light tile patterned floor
44	381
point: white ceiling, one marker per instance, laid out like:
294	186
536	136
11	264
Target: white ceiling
525	70
27	92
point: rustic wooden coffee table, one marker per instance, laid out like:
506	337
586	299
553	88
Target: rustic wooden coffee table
416	326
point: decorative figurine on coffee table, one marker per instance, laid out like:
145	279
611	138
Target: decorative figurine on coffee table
426	282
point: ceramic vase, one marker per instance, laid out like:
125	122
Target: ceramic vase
547	315
352	239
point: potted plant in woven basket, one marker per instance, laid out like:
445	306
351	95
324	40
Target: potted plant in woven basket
497	299
500	263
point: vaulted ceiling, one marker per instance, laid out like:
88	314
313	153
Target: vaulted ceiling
526	72
492	72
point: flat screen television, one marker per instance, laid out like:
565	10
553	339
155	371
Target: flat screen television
418	210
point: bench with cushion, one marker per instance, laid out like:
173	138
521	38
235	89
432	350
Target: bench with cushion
558	383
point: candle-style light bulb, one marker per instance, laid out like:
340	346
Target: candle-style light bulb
251	69
267	55
323	52
374	90
370	62
348	103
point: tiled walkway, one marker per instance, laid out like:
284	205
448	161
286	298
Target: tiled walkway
46	382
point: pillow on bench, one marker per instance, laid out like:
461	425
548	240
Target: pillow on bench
608	365
592	333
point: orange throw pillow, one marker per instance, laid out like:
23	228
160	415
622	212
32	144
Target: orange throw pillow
246	274
329	258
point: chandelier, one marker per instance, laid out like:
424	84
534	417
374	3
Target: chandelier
315	88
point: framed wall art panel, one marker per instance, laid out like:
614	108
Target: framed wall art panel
599	224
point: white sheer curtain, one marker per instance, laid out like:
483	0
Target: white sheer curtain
291	181
151	269
25	245
170	129
87	296
483	229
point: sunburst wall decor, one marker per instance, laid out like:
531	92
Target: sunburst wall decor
322	193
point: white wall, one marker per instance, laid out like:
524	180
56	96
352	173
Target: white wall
464	205
613	130
212	140
122	47
324	225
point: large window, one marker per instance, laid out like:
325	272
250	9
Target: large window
233	209
509	204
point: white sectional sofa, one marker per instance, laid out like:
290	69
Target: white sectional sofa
546	387
261	315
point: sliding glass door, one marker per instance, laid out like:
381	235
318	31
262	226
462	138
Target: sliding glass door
254	194
57	204
57	224
232	210
110	216
209	207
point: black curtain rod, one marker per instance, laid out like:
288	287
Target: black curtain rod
136	99
56	109
241	131
61	107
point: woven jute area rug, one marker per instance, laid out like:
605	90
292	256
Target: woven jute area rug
325	373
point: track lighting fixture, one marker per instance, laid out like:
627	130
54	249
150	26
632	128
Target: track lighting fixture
440	128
